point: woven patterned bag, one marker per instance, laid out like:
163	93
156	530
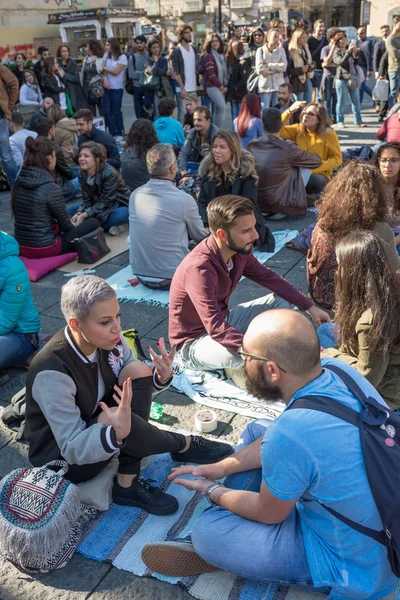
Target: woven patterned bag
41	518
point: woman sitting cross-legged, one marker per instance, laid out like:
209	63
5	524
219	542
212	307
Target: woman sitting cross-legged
354	200
314	135
387	159
141	138
105	194
42	226
19	319
366	330
229	169
88	398
248	123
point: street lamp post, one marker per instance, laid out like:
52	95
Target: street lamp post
219	16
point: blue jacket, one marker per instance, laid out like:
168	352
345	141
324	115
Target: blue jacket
17	310
169	131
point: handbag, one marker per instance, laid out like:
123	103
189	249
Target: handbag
69	111
96	88
252	82
149	82
129	88
91	247
41	517
380	93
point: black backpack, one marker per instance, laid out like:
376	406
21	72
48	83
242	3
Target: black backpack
380	441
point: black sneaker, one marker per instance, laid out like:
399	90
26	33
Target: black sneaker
202	451
142	495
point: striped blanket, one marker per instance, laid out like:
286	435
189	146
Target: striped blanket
120	533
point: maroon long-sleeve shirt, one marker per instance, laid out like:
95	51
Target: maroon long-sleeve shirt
202	286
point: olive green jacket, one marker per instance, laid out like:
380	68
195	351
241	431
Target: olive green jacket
383	371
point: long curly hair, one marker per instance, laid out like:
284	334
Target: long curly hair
142	136
375	162
234	142
364	280
354	199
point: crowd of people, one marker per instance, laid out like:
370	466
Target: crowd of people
195	198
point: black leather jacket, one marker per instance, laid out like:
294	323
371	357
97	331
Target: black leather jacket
107	192
38	205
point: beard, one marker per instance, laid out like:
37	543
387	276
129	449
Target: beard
258	387
248	249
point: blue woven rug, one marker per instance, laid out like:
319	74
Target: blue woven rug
120	533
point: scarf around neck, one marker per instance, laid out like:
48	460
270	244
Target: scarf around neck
221	66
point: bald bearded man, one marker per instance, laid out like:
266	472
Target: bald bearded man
267	522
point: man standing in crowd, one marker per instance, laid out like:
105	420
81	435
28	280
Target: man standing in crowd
266	521
42	112
198	142
365	54
256	41
9	87
316	42
89	133
43	53
281	165
393	48
136	66
162	220
285	97
18	137
329	72
185	62
380	48
206	333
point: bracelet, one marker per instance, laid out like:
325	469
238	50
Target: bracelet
209	491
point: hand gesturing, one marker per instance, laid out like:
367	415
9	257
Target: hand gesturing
120	418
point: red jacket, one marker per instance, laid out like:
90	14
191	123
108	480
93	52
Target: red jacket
202	286
390	129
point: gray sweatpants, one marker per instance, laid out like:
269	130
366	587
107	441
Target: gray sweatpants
205	354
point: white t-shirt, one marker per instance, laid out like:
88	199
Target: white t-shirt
63	100
189	63
116	81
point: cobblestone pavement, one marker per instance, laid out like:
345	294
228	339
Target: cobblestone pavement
83	578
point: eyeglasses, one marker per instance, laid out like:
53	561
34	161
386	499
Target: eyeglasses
263	358
390	161
258	35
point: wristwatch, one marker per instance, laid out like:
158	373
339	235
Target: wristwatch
209	491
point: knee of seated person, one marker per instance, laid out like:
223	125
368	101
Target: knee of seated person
204	536
255	430
136	370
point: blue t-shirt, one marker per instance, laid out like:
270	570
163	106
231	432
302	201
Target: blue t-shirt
254	130
308	454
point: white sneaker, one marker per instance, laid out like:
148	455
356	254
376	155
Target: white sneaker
119	139
117	229
339	126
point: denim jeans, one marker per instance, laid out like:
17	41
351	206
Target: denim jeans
272	553
14	348
394	81
318	77
316	183
119	216
326	334
6	157
205	354
343	93
138	102
76	192
307	95
235	109
330	96
112	103
364	87
219	106
268	99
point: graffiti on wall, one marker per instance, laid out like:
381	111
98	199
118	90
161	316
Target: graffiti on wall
9	51
73	4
